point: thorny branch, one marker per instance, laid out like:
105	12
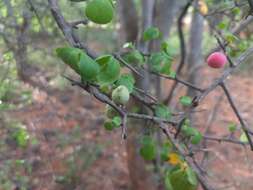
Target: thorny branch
93	90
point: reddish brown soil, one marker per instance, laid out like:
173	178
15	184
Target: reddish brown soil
50	116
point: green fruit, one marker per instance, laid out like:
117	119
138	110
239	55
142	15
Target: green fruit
110	112
120	95
99	11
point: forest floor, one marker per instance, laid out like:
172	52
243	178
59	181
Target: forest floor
75	152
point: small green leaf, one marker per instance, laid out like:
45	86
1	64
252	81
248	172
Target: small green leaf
189	131
162	111
236	11
191	176
109	70
134	57
160	62
196	138
186	100
148	149
116	121
21	137
108	125
166	149
129	45
127	80
151	33
222	25
243	138
232	127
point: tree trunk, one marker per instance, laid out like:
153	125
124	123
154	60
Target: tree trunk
194	58
140	177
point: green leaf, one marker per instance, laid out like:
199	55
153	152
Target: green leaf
108	125
232	127
109	70
162	111
134	57
230	38
243	138
21	137
148	149
166	149
185	100
70	56
151	33
128	45
160	62
181	179
116	121
127	80
88	68
236	11
191	176
100	11
196	138
222	25
189	131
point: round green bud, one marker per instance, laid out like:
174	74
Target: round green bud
120	95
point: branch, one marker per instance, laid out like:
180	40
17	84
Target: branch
67	28
182	48
238	115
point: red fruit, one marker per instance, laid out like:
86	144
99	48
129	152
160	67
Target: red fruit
216	60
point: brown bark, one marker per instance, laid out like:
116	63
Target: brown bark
194	58
140	177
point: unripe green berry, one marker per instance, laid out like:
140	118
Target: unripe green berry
120	95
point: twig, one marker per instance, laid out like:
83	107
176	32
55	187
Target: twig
118	57
182	48
237	113
176	78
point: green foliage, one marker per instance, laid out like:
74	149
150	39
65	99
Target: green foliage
181	177
100	11
232	127
134	57
127	80
113	123
192	133
148	148
109	70
185	100
151	33
165	150
243	138
162	111
20	135
160	62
